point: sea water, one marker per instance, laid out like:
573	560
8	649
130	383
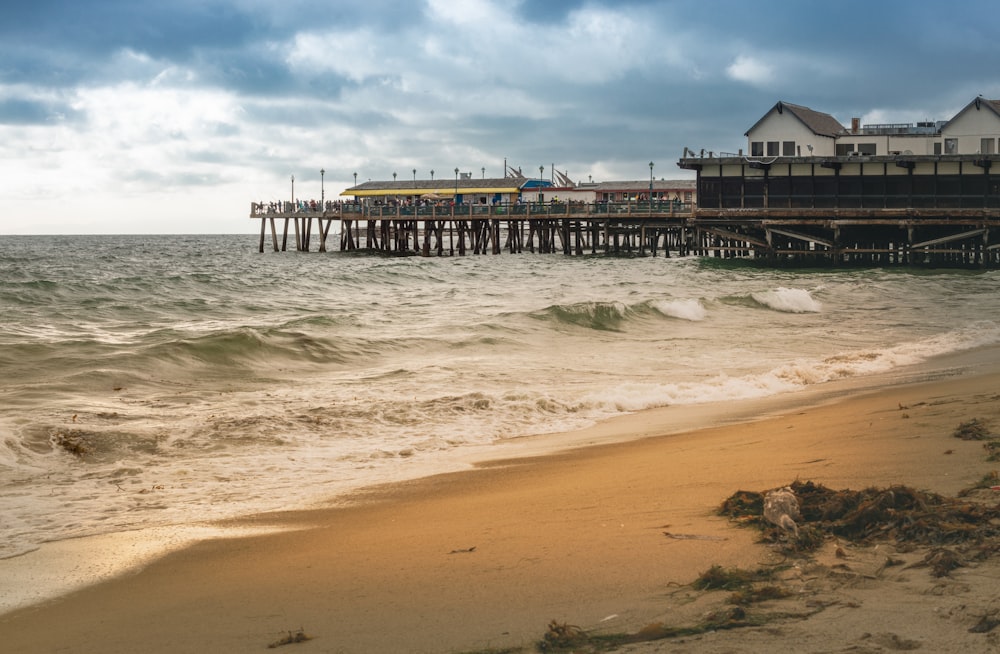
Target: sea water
156	381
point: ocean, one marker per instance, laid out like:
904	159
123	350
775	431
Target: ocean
156	381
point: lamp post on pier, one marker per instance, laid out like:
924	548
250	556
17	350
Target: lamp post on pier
456	185
355	179
293	192
650	185
322	190
432	174
414	174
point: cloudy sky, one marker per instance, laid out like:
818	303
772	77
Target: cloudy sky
170	116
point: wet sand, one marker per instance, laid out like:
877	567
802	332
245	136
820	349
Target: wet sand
486	558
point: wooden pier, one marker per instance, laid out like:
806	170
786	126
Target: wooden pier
572	228
776	236
927	210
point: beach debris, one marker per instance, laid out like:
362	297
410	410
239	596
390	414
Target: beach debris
299	636
972	430
941	561
674	536
990	481
720	578
898	513
467	550
986	624
73	441
561	635
755	595
781	508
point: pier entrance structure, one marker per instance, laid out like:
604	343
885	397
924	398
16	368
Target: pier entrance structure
941	210
812	190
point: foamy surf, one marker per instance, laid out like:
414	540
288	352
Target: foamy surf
791	300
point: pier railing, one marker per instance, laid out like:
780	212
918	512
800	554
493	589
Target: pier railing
443	211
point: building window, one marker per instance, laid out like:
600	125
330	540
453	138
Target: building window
772	148
866	148
687	197
951	146
986	146
937	148
788	148
844	149
757	149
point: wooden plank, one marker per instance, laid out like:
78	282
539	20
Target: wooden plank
948	239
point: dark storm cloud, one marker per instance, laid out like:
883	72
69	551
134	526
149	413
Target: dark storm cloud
203	91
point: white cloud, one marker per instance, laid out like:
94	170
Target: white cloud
750	70
350	54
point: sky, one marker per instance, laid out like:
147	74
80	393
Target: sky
172	116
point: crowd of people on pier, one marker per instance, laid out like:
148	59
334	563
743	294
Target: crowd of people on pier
284	206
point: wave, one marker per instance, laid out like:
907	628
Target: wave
615	316
690	309
784	300
601	316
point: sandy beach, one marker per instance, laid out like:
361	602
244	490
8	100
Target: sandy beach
607	537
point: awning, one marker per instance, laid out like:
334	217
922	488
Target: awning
444	192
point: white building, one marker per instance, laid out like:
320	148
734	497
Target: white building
790	130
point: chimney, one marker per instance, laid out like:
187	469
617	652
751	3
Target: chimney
855	125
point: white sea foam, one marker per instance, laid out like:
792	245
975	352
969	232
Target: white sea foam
798	374
687	309
790	300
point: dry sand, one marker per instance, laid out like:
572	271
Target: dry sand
483	560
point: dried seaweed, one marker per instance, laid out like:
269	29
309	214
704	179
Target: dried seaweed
749	596
73	441
897	513
561	635
941	561
293	637
973	430
719	578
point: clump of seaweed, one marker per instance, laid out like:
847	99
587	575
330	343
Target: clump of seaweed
896	513
747	596
992	450
293	637
743	583
561	636
73	441
990	480
720	578
566	638
941	561
972	430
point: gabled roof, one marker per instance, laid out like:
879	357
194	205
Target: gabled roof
978	104
818	122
